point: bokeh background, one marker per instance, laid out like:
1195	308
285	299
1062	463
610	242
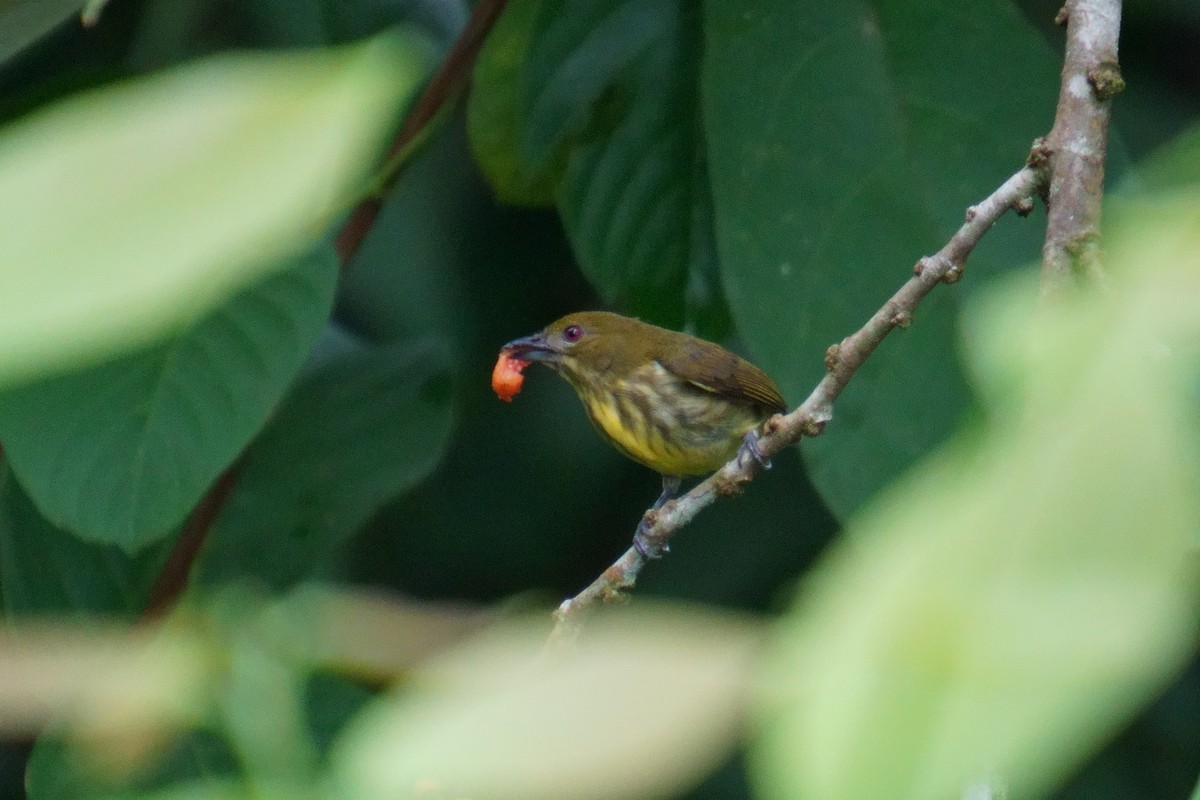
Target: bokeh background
453	495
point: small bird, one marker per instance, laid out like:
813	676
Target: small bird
675	403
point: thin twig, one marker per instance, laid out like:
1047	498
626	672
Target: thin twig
1077	145
1066	168
842	360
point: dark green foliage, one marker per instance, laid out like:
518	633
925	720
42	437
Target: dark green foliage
762	172
119	453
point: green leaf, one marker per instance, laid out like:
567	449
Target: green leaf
643	708
1174	166
117	695
356	433
842	148
118	453
23	22
46	570
606	102
129	211
438	222
493	113
1008	606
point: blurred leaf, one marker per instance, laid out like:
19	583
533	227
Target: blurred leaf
493	113
407	279
1009	605
23	22
605	102
643	708
44	569
120	452
102	684
351	436
225	789
842	149
1176	165
131	210
57	769
261	703
298	23
90	14
368	634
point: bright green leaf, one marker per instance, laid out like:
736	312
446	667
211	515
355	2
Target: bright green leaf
644	707
356	433
99	683
223	789
118	453
128	211
1009	605
843	146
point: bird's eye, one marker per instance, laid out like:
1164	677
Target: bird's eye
572	333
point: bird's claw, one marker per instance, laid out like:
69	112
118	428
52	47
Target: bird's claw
648	550
750	447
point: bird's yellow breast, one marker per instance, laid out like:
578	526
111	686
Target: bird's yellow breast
666	424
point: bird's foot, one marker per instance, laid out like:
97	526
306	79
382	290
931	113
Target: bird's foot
649	550
751	449
670	490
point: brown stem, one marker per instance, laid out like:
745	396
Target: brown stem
448	83
1077	145
842	361
173	577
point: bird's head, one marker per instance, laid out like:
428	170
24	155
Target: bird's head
585	344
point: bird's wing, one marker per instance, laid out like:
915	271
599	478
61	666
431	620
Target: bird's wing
725	375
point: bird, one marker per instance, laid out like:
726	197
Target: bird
680	405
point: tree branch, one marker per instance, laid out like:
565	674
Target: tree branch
1066	168
842	361
1077	145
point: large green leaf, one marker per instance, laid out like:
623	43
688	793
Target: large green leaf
494	114
845	140
354	434
121	451
1009	605
46	570
129	211
606	109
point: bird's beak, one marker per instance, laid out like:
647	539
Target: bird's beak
532	348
